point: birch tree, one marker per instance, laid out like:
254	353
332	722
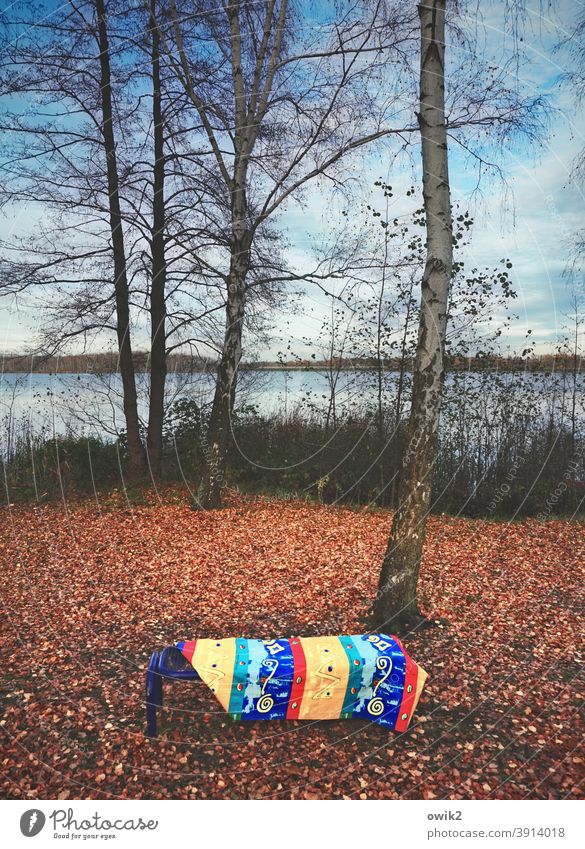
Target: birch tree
396	600
278	113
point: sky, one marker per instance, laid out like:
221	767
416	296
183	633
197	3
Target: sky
530	215
534	219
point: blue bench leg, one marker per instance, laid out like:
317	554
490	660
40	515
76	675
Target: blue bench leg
154	694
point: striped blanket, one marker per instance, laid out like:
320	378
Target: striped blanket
363	676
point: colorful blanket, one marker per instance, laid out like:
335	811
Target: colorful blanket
361	676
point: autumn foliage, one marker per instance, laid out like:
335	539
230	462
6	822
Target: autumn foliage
90	590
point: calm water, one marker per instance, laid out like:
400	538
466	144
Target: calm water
91	404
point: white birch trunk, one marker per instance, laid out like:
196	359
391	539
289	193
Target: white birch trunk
396	601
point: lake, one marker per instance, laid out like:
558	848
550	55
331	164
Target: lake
87	404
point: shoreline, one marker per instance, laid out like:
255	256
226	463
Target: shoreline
495	368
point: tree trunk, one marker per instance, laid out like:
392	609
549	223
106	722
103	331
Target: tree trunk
215	446
382	444
158	354
396	600
400	391
216	443
136	456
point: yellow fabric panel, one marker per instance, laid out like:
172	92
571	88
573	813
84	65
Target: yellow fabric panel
214	661
420	682
324	690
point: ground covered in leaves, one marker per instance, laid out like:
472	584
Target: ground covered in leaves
89	591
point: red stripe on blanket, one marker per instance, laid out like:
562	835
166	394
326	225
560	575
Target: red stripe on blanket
408	694
299	678
188	650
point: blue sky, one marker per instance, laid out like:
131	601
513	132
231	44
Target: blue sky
529	217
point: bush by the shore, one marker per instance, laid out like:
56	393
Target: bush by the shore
536	470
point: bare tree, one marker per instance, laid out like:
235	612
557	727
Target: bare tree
136	455
67	159
278	113
95	136
158	299
397	598
167	142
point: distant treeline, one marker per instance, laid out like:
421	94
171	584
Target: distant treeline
107	363
104	363
485	362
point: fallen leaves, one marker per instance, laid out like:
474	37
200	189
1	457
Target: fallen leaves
88	594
